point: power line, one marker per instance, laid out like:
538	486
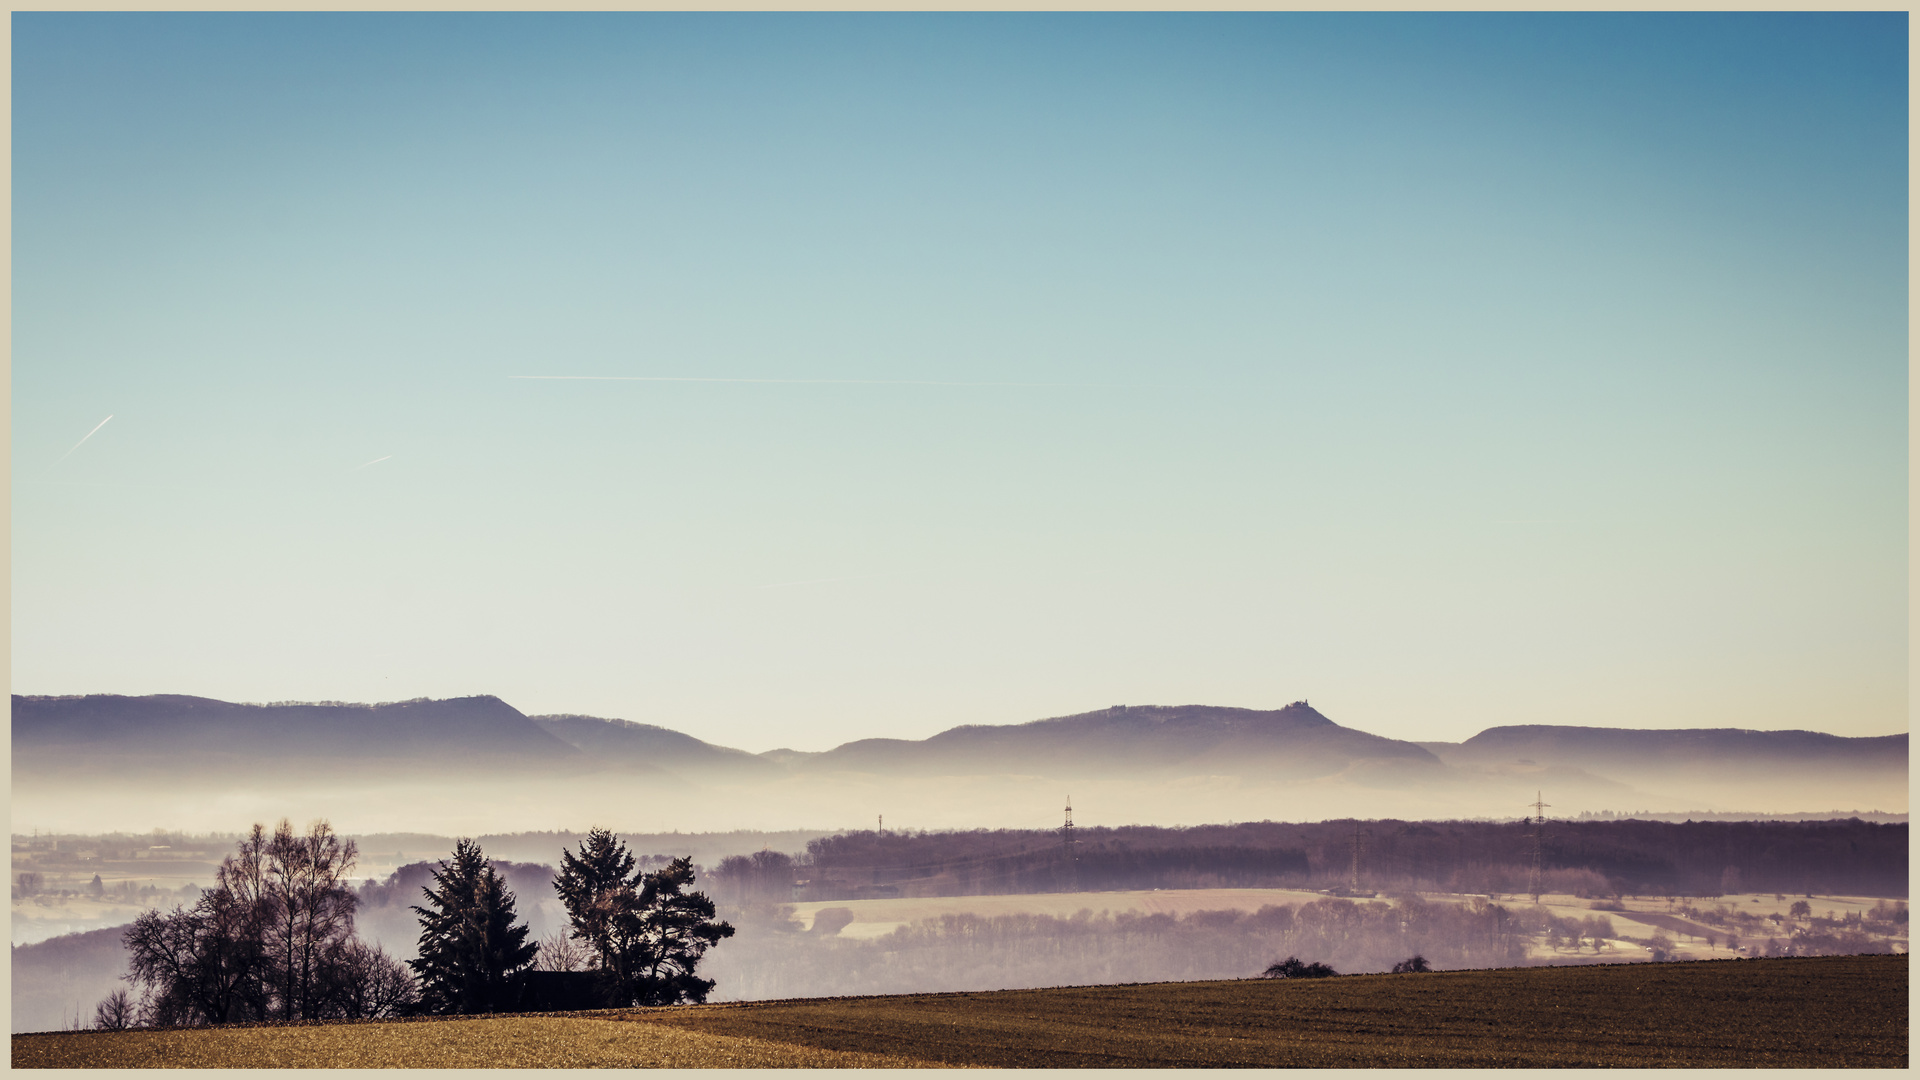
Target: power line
1070	848
1539	823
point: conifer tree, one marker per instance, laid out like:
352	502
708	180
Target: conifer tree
470	943
646	932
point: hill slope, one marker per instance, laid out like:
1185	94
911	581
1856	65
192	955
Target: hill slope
1625	749
175	734
1295	742
630	743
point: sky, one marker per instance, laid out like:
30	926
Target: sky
792	379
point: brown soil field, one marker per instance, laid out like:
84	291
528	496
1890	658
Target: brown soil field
492	1042
1846	1011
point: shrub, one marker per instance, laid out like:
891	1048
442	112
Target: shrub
1294	968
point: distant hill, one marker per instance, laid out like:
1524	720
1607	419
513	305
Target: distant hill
1661	751
1295	742
1165	763
626	742
174	733
58	982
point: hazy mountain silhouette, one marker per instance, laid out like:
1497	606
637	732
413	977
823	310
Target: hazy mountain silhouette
627	742
1172	763
1292	743
1642	751
174	733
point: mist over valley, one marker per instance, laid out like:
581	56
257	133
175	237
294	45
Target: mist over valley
1204	838
472	765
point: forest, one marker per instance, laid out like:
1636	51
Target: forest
1584	858
366	950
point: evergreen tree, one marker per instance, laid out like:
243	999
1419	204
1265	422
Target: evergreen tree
674	929
596	886
470	945
646	932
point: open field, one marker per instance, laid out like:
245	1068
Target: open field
1641	916
877	918
1848	1011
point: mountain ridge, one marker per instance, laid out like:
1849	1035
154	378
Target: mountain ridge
479	759
1178	736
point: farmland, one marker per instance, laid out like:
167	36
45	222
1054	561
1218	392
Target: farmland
1638	915
1846	1011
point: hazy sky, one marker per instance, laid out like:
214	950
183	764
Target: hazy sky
1446	371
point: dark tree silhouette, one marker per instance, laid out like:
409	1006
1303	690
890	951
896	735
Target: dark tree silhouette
116	1012
676	929
470	943
272	939
1295	968
208	964
313	913
1412	965
594	886
361	982
647	933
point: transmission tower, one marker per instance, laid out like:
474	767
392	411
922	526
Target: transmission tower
1539	826
1070	848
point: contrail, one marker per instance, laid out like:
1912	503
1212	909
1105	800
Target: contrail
83	438
375	461
809	382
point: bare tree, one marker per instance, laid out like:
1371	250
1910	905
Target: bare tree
559	951
314	910
272	938
116	1012
208	964
363	983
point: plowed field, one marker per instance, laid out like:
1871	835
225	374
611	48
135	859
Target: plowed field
1848	1011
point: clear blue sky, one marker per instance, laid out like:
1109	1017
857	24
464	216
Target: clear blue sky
1444	370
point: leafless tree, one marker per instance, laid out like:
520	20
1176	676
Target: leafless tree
313	910
198	965
363	983
559	951
116	1012
272	938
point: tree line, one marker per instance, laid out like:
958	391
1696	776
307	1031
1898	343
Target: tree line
1585	858
274	939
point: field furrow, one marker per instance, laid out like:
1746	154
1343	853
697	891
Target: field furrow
1845	1011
